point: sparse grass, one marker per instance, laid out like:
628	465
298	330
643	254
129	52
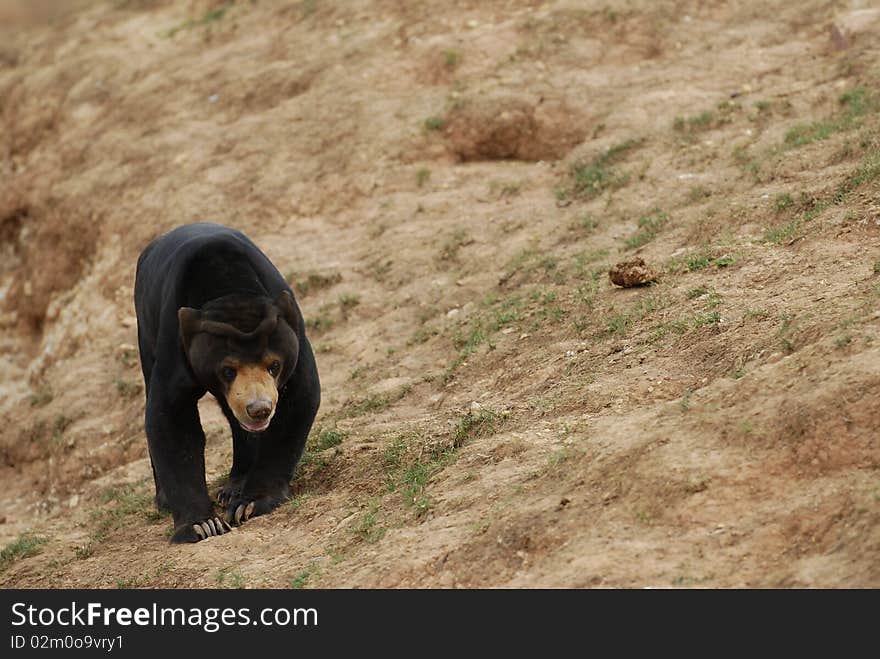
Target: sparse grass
59	425
301	579
584	259
649	226
685	402
587	223
450	248
348	301
368	529
698	193
312	281
210	16
495	314
688	323
695	123
41	397
505	189
451	58
696	484
559	457
590	179
423	175
125	583
27	544
782	202
422	334
785	333
124	502
410	461
373	403
854	104
699	260
297	501
320	323
127	388
476	423
228	577
308	7
328	439
367	405
783	232
128	356
703	319
867	172
434	123
619	323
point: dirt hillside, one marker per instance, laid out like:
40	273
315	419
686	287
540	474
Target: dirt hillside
446	186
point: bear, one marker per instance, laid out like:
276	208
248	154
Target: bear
215	315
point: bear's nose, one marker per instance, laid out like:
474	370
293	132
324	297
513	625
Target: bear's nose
259	410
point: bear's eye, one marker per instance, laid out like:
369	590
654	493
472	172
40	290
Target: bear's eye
274	368
227	373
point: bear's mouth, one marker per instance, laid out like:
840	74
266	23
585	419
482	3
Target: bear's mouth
255	427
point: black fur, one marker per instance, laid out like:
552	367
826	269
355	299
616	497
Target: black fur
218	274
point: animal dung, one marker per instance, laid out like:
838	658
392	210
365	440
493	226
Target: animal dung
634	272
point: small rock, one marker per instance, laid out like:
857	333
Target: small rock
632	273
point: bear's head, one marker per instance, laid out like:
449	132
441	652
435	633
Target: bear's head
243	350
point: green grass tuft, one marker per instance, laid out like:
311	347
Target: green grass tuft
24	546
649	226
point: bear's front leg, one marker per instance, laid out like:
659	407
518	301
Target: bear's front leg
244	454
177	450
267	484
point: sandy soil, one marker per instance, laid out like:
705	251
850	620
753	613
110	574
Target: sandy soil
447	187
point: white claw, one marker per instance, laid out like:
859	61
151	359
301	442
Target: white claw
238	513
249	510
207	529
199	531
212	527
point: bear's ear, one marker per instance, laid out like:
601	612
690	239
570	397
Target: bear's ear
285	304
190	321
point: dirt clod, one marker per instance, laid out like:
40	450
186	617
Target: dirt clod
634	272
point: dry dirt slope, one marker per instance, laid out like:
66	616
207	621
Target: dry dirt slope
447	187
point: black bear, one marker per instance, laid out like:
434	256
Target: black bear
214	314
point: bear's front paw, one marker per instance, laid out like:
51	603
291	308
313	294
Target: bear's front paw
193	532
242	509
230	491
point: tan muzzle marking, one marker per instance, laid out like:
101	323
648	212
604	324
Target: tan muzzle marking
253	384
